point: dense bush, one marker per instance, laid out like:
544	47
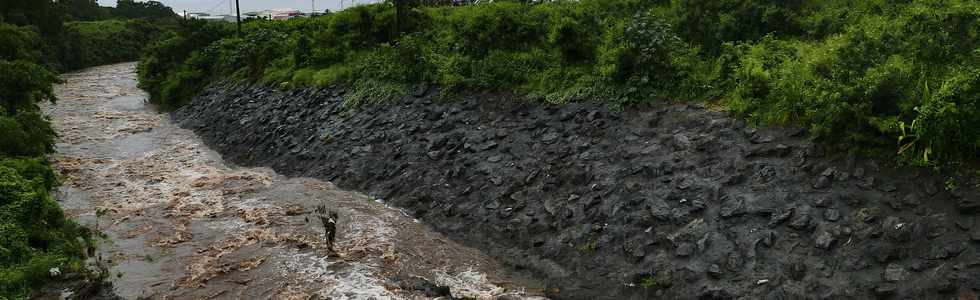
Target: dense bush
711	23
34	234
62	44
19	43
90	10
871	83
130	9
23	84
163	64
25	134
890	75
87	44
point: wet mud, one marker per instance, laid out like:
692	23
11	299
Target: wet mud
181	223
669	201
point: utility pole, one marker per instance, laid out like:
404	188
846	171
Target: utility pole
313	12
185	14
238	17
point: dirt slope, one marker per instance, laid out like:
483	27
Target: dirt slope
670	201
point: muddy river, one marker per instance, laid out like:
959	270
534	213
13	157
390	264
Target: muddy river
181	223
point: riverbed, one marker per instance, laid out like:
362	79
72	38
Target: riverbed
177	221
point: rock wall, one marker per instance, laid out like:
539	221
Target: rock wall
669	201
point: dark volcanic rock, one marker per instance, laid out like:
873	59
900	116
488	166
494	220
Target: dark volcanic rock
660	201
685	249
824	240
895	272
831	214
968	206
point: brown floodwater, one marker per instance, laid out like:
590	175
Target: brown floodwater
181	223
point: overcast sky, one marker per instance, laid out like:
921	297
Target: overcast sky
221	6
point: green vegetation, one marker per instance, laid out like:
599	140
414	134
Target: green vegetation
74	34
903	72
176	67
34	234
110	41
659	281
35	44
891	77
130	9
89	10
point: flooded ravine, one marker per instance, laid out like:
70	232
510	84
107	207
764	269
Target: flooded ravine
181	223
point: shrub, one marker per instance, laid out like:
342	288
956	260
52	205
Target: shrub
644	59
946	122
34	234
475	30
259	48
323	77
26	134
405	62
370	91
166	54
179	87
573	39
22	84
18	43
302	52
711	23
868	85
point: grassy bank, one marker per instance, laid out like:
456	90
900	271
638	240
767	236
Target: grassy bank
35	237
896	78
38	244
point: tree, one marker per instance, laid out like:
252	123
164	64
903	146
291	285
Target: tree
85	10
402	7
18	43
23	84
47	16
130	9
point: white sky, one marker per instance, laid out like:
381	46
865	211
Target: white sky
222	6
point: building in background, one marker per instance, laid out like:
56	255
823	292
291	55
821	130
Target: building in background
210	17
271	14
277	14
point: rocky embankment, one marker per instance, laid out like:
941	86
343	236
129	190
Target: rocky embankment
671	201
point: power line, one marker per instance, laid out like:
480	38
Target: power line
216	7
